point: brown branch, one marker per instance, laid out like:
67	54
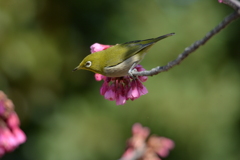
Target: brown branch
233	3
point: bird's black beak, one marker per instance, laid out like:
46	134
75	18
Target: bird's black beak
75	69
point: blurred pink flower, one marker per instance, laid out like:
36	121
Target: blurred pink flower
222	1
96	47
140	147
120	89
160	145
11	136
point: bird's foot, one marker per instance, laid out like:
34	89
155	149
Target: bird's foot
131	70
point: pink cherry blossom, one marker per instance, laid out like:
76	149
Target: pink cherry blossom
110	93
140	147
13	120
96	47
19	135
11	136
161	145
138	129
221	1
99	77
120	89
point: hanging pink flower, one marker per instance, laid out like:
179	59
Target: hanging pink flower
11	136
120	89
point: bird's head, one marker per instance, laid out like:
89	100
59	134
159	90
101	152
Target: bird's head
91	63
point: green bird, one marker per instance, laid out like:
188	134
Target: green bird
120	59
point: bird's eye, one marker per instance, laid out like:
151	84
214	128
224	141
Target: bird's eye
88	64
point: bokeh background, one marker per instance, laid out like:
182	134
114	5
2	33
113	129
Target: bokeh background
196	104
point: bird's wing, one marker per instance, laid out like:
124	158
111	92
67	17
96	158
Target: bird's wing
120	52
133	47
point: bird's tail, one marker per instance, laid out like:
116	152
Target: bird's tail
154	40
151	41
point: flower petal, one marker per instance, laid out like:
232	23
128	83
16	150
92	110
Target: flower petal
96	47
13	120
120	100
19	135
99	77
104	88
110	94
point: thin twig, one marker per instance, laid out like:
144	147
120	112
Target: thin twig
233	3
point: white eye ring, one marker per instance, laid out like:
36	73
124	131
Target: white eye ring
88	63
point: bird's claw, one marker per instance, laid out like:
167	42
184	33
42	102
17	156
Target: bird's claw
132	69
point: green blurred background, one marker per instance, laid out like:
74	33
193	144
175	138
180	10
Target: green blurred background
197	103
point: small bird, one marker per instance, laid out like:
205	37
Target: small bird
120	59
